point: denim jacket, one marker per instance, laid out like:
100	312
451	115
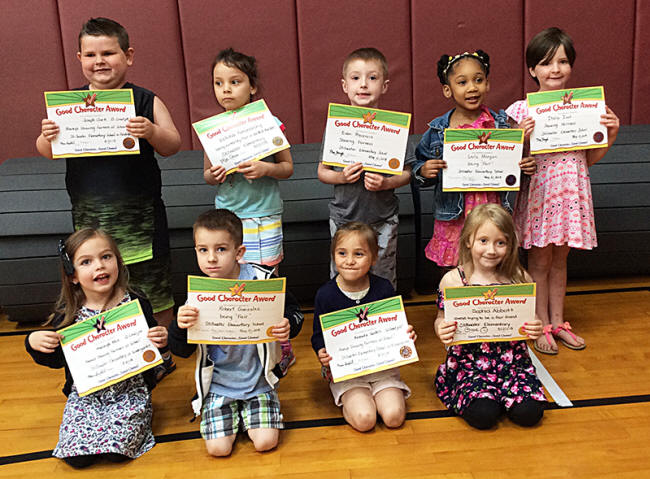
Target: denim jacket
449	205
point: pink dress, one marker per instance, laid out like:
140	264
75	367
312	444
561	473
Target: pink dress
442	249
557	208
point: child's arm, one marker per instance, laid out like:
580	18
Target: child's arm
349	174
280	170
293	314
213	175
379	182
445	329
425	168
611	121
533	328
45	348
323	357
49	131
186	317
280	331
161	134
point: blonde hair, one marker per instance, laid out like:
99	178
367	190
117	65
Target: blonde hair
72	296
366	232
510	266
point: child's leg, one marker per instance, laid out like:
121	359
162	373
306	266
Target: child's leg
386	265
220	446
526	413
539	266
482	413
79	462
333	228
264	439
391	406
557	292
359	409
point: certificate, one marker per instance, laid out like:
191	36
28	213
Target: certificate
235	311
375	138
490	313
567	119
246	134
92	122
108	348
482	159
367	338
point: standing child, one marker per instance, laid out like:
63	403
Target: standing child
558	189
252	193
235	384
478	380
464	79
114	422
122	194
363	195
354	250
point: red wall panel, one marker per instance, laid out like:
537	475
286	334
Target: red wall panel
31	64
603	37
494	27
641	80
155	37
265	30
328	32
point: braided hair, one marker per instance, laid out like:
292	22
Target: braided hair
447	62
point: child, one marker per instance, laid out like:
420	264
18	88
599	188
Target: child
122	194
365	196
252	193
464	79
354	250
478	380
558	189
235	384
94	279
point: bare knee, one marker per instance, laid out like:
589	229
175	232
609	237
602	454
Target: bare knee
264	439
362	420
394	416
220	447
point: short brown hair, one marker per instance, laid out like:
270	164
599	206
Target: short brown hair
365	231
367	54
542	47
221	220
100	26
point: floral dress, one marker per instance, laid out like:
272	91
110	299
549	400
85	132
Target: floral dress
442	249
558	207
501	371
116	419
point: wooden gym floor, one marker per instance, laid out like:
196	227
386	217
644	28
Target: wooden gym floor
604	434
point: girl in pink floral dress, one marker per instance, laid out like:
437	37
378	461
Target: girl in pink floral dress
557	213
479	381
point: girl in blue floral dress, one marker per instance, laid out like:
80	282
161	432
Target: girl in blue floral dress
113	423
478	381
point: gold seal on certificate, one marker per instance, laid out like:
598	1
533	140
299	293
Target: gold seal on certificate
91	122
490	313
108	348
236	136
567	119
235	311
367	338
482	159
375	138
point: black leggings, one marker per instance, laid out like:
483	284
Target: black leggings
484	413
79	462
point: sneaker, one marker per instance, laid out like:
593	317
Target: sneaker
288	358
167	367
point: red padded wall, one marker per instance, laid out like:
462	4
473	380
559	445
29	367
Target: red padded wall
265	30
328	32
155	37
31	64
641	79
456	27
603	37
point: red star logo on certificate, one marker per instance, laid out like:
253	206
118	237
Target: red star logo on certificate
368	117
483	137
490	293
90	99
566	98
237	290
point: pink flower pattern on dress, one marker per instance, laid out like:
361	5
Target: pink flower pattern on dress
557	206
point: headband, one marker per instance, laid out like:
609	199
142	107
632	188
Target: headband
453	60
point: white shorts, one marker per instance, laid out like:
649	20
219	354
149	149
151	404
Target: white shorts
375	382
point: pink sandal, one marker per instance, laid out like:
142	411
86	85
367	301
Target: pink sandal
548	331
567	327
